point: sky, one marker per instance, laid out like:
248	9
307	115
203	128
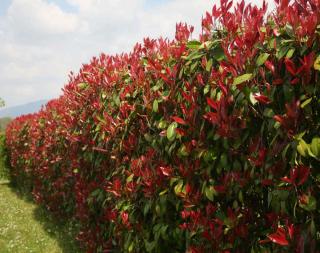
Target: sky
41	41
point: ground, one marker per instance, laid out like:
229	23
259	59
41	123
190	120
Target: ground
28	228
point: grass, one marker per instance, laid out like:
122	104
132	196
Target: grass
26	227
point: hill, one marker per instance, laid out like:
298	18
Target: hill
19	110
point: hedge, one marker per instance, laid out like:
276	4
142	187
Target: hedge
188	145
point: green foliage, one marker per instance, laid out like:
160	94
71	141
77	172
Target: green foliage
4	172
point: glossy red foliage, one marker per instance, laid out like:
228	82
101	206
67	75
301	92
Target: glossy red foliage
188	145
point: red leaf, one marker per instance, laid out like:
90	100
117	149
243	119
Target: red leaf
266	182
291	67
179	120
279	237
181	131
286	179
291	230
262	99
295	81
270	66
301	173
277	81
298	175
276	32
278	118
166	171
212	103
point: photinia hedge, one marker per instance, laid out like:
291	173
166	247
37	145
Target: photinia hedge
185	145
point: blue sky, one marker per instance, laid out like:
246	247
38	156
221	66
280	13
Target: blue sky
43	40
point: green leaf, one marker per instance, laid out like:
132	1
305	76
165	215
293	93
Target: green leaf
303	148
311	204
149	245
162	124
209	65
262	58
178	188
129	178
224	160
316	64
306	102
147	208
218	53
194	44
268	112
82	86
116	99
183	150
163	192
252	99
243	78
315	146
171	131
206	89
155	106
209	191
290	53
282	52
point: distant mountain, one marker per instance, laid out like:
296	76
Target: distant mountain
19	110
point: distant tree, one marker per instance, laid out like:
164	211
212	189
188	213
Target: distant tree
1	102
3	123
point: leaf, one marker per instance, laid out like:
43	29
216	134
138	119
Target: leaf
183	150
316	64
243	78
218	53
178	188
315	146
162	124
163	192
82	86
262	58
282	52
155	106
301	173
303	148
270	66
194	44
290	53
209	191
252	99
212	104
279	237
171	131
179	120
309	203
262	98
129	179
306	102
209	65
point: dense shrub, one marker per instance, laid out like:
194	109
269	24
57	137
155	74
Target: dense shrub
4	173
208	145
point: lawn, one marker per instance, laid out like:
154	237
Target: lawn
26	227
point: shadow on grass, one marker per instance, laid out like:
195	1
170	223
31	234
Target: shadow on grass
62	231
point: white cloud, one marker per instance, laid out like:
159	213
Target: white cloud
38	16
41	42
